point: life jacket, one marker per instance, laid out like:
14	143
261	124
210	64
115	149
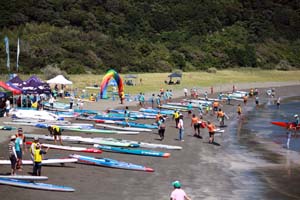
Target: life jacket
176	115
195	120
56	129
216	104
37	155
33	145
211	128
157	117
220	114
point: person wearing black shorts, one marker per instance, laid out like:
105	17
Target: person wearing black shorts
56	132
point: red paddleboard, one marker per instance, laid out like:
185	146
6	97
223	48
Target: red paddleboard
285	124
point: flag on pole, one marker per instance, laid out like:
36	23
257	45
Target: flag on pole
18	53
6	41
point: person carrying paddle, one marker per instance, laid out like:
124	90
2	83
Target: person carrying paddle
38	157
178	193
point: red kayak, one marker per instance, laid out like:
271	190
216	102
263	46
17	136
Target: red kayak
285	124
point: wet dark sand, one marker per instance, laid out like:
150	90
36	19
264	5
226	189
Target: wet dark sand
228	171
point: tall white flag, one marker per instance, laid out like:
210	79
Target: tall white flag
18	54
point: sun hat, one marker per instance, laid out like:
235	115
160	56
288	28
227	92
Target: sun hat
176	184
12	137
35	138
295	115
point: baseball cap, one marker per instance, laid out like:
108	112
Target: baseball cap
295	115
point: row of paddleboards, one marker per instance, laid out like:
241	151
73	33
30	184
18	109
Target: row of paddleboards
108	141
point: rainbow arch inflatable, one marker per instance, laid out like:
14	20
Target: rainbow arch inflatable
103	87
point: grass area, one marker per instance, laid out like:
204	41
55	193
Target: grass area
152	82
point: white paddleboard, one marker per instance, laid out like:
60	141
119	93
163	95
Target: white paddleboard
45	161
124	128
23	177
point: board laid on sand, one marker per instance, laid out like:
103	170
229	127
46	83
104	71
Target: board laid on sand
7	128
33	185
102	141
142	152
28	178
124	128
285	124
69	148
107	162
45	161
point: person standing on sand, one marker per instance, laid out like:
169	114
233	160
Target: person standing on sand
195	123
181	128
239	111
221	117
178	193
161	127
38	157
211	130
12	155
245	99
20	147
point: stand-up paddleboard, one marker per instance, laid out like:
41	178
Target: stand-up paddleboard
285	124
102	141
107	162
219	130
7	128
137	125
45	161
33	185
69	148
142	152
27	178
155	111
124	128
94	130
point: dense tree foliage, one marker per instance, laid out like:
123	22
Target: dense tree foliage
91	36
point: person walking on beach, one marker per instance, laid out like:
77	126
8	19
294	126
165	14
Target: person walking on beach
12	155
256	100
51	101
38	157
161	127
71	101
7	107
297	122
178	193
245	99
211	130
181	128
195	123
221	117
239	111
176	115
289	135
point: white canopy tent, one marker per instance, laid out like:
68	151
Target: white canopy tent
59	79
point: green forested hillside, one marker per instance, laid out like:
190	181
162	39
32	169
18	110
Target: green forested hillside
92	36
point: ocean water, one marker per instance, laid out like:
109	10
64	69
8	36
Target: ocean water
259	121
278	174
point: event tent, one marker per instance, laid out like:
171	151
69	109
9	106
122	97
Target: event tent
9	88
59	79
175	75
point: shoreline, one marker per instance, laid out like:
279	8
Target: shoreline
218	172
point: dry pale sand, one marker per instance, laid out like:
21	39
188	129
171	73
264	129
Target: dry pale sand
206	171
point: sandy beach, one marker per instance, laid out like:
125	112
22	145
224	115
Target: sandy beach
228	171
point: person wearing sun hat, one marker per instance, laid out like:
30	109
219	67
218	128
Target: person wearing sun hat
178	193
